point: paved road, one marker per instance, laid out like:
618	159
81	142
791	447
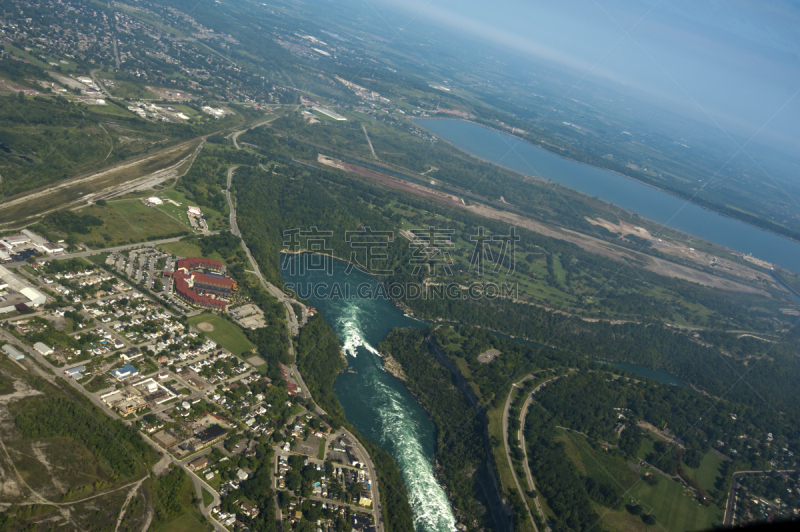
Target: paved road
730	507
294	329
235	136
291	318
522	417
508	449
91	252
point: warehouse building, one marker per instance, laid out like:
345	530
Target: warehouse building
15	294
13	352
43	348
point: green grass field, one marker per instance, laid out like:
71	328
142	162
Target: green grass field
322	445
207	497
214	218
128	221
646	447
674	506
110	109
706	475
186	523
225	333
188	249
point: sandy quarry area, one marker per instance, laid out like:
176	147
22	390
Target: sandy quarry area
683	251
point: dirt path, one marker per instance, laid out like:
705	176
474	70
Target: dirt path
38	452
130	496
369	142
10	486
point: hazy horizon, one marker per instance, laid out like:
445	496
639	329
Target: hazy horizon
735	66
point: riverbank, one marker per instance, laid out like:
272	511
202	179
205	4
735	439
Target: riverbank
393	367
674	194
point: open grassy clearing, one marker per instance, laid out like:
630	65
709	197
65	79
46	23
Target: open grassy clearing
110	109
207	497
706	475
214	218
623	520
128	222
675	507
188	249
186	523
123	89
598	464
225	333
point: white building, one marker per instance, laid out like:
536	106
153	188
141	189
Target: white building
42	348
15	292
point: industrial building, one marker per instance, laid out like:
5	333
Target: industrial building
13	352
15	294
43	348
125	372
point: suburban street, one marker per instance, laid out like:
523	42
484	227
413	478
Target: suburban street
730	507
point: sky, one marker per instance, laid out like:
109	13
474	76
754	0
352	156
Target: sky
732	64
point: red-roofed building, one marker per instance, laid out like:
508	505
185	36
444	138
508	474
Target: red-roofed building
184	289
213	284
200	289
291	387
193	263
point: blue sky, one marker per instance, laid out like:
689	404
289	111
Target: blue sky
735	64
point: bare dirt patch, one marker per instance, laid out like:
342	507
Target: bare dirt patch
38	451
256	361
205	327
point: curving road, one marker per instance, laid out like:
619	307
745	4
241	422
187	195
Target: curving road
294	328
508	449
524	447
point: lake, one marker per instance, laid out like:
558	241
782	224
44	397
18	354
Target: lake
375	402
644	200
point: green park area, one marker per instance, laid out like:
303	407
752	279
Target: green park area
706	475
225	333
171	197
129	221
186	523
188	249
675	506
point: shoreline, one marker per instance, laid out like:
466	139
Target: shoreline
673	194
